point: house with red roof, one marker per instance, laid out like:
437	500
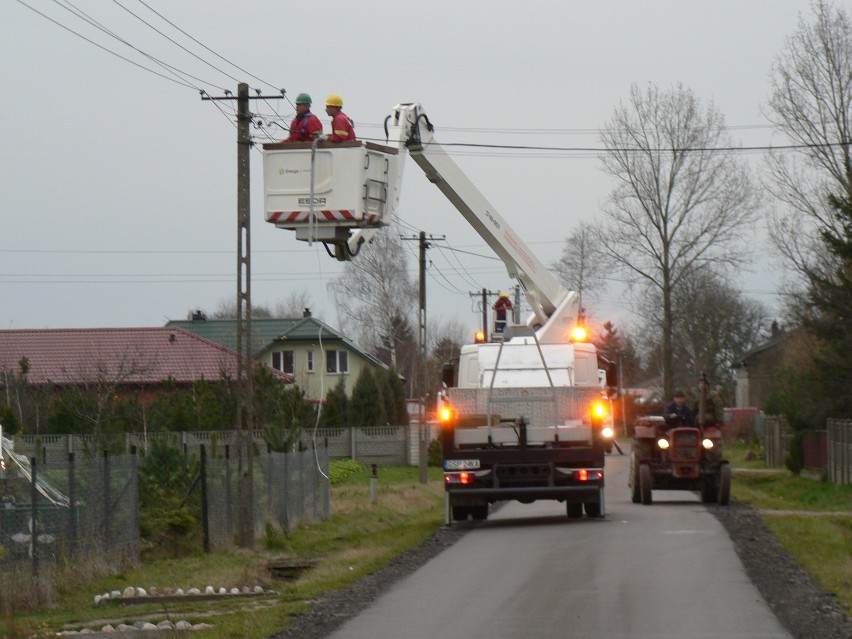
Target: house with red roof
137	361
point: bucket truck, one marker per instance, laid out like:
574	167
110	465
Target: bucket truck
523	418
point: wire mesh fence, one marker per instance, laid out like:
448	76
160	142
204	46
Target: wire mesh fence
73	518
288	489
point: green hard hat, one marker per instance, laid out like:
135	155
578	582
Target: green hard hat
304	98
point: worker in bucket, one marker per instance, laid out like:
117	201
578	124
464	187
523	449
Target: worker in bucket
305	127
342	129
502	308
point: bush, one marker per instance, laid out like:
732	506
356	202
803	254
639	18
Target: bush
436	453
795	459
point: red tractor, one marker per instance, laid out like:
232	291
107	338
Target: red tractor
670	456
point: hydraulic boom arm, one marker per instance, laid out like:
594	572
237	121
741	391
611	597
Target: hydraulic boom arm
554	308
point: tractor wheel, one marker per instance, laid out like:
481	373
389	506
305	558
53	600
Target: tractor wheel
593	509
709	490
724	485
574	510
645	484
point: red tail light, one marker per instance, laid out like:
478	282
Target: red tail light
584	474
464	478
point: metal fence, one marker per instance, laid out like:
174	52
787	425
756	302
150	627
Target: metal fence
832	448
777	436
287	489
840	451
383	445
80	516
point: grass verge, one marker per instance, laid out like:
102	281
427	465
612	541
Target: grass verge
811	518
359	537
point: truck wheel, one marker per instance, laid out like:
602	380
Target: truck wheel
575	510
709	491
460	513
479	513
635	494
724	485
593	509
645	484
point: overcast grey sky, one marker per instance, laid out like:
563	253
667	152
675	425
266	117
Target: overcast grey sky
118	186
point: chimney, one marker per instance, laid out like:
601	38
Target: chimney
199	316
307	312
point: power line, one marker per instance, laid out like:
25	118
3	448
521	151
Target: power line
208	48
145	22
79	13
111	52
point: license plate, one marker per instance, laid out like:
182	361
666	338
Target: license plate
460	464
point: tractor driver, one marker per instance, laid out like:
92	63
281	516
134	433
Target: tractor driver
677	412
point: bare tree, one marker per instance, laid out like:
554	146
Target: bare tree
811	104
227	309
581	267
682	200
714	323
296	304
374	292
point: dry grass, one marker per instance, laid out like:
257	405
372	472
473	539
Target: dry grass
359	537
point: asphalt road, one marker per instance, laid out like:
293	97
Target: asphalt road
662	571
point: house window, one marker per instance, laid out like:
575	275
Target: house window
310	361
283	361
337	362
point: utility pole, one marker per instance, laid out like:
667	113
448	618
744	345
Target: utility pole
485	313
245	410
424	431
423	439
245	456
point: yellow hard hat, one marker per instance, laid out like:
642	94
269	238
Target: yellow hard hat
334	100
504	295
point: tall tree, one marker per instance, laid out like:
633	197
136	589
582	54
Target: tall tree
581	266
829	314
335	411
367	406
811	104
681	201
374	292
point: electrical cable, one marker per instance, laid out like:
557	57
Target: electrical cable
100	46
208	48
148	24
82	15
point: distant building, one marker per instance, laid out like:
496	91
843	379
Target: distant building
134	361
316	355
756	370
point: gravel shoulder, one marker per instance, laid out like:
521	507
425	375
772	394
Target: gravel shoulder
801	606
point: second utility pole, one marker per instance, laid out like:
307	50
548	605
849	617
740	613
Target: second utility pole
424	431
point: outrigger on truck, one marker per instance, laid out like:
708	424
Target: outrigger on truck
523	417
